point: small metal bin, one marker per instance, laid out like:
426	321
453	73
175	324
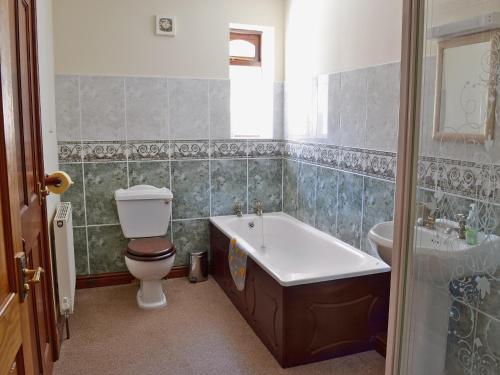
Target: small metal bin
198	267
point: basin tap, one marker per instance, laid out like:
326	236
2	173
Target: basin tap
430	220
238	209
460	229
257	206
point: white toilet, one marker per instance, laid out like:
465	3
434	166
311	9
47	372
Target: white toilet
144	213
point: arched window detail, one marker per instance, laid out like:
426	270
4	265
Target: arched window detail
245	47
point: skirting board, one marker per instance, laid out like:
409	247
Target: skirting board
119	278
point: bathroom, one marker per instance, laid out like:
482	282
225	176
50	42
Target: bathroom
269	186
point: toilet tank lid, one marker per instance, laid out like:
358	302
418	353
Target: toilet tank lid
139	192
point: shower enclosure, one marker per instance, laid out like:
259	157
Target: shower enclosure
447	309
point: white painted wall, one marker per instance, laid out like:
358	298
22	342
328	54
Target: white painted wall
117	36
327	36
47	94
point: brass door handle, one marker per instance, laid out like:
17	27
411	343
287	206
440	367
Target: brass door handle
37	275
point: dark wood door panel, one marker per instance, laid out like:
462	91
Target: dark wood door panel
30	180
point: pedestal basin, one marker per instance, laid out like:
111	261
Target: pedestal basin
439	259
440	256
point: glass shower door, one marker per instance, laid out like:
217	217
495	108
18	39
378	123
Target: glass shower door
453	325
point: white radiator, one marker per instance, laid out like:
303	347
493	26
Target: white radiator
65	257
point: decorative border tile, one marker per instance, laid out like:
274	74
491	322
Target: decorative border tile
230	148
105	151
265	148
198	149
343	158
69	152
380	164
469	179
292	150
351	159
329	156
149	150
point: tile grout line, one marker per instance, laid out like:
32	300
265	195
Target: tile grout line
282	185
361	238
209	151
83	177
248	177
315	196
167	125
337	204
126	128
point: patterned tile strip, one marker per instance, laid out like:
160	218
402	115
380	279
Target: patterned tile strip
149	150
190	149
473	180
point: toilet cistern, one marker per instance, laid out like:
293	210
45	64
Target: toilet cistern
144	212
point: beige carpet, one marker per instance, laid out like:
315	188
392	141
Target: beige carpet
199	332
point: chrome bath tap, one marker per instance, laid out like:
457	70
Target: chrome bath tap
257	206
238	209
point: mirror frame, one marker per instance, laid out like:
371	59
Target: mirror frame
493	37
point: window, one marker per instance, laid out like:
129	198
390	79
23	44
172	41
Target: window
251	70
245	47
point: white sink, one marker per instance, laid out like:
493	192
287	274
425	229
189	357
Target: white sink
443	256
381	236
438	260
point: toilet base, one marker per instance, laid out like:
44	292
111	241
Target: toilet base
150	295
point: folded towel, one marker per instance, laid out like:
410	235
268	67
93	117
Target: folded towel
237	264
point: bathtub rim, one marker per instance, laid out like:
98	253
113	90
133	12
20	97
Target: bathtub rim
293	279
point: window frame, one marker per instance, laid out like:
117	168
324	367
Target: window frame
252	36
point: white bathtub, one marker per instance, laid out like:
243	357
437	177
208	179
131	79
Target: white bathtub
296	253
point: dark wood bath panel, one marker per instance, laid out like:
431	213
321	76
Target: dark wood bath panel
311	322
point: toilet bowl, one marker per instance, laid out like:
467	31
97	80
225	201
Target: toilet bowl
150	260
144	212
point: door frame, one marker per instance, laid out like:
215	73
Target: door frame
406	180
47	253
8	169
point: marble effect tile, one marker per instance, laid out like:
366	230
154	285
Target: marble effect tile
190	187
81	259
146	108
155	173
378	197
219	97
67	108
189	236
278	110
383	107
350	195
74	194
103	108
326	201
188	112
265	183
106	247
334	105
290	182
101	181
306	188
353	108
229	185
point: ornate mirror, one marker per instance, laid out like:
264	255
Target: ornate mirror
466	87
